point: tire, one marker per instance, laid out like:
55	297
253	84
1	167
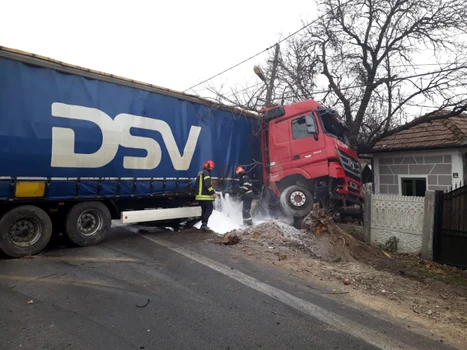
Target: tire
88	223
296	201
24	231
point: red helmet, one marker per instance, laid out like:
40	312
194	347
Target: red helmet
209	165
239	170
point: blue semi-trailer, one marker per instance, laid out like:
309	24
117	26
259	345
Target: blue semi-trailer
79	148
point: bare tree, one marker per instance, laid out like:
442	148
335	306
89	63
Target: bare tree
372	55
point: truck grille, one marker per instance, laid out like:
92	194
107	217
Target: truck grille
351	167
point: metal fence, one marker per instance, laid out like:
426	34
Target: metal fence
450	227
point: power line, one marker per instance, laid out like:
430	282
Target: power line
279	42
395	79
233	93
263	51
423	64
228	69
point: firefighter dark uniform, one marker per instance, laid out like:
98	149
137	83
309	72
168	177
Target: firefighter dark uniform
205	194
246	192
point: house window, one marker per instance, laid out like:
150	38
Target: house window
413	186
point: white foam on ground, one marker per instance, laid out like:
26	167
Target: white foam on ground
226	217
220	223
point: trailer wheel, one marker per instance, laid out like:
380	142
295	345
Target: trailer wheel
24	231
88	223
296	201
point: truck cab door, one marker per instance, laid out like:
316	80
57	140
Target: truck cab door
279	146
307	145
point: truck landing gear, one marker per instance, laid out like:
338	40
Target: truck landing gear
24	231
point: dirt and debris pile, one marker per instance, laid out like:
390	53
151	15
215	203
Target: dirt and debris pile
334	241
319	237
274	233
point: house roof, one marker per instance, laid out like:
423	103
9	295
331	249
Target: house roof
441	133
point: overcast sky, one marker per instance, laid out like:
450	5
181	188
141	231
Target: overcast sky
171	44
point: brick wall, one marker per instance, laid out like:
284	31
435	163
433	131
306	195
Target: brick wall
436	168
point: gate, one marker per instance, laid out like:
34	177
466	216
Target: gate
450	227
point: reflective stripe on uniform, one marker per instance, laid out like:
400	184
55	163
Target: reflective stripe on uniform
204	198
207	177
200	196
200	189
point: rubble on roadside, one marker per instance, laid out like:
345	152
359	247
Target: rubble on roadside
230	238
320	238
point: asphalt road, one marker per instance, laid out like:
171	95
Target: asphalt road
175	291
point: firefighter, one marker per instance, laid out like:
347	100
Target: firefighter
246	192
205	194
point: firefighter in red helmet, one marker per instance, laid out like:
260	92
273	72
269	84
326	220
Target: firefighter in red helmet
246	192
205	194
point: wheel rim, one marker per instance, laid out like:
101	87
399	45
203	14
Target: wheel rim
297	199
25	232
89	223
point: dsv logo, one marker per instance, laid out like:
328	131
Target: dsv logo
116	132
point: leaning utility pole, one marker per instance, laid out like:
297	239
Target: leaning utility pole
270	85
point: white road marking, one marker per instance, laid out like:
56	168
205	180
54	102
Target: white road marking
343	324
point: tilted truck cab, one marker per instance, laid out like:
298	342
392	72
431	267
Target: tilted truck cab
307	158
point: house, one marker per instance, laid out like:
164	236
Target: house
427	156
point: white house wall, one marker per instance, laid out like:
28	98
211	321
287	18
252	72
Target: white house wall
437	166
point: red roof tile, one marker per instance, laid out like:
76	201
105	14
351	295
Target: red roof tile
434	134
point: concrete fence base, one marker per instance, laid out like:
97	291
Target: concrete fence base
409	219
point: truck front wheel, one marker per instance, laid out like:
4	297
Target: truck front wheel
88	223
296	201
24	231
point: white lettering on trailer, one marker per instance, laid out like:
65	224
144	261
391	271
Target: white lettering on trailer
116	132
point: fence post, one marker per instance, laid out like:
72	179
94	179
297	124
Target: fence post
367	218
428	226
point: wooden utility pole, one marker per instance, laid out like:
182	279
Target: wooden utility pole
270	85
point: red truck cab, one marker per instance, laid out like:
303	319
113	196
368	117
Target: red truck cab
307	158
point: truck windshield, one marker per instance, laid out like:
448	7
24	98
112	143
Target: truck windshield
332	126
